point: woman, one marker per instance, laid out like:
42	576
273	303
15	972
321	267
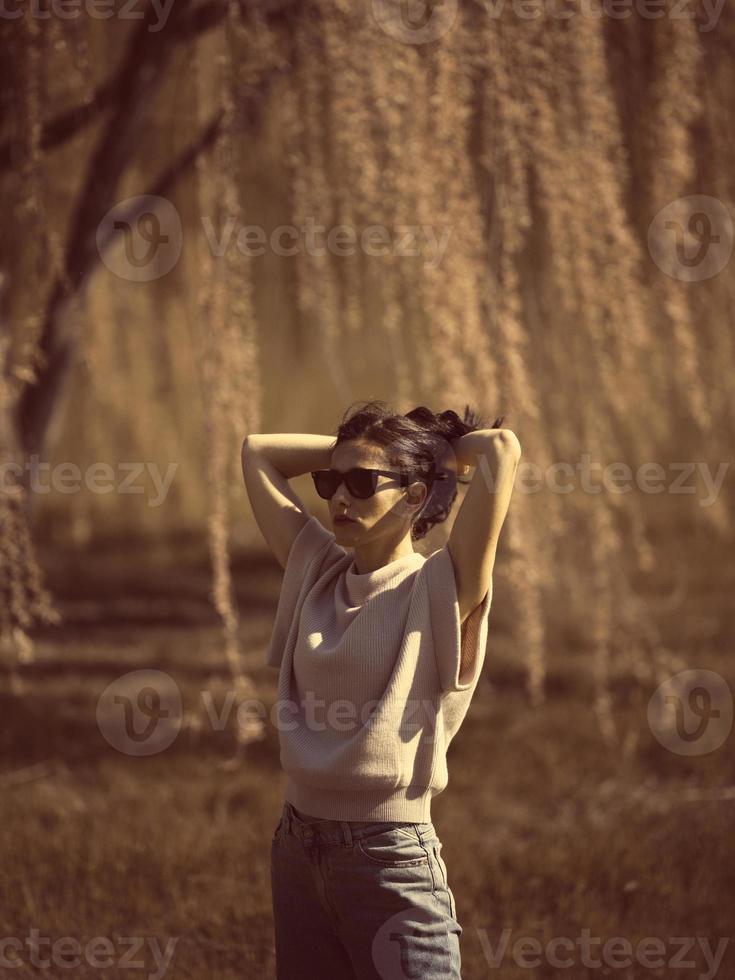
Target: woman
379	651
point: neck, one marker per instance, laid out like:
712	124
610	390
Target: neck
373	555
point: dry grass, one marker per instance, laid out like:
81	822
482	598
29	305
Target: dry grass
546	831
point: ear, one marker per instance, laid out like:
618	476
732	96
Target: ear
415	496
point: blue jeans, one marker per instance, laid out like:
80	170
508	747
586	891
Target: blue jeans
361	901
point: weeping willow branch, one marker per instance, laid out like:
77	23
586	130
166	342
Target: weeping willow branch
543	301
67	124
145	68
71	122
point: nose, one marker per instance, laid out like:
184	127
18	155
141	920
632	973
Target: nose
341	495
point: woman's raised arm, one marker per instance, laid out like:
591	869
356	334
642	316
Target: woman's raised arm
268	462
473	539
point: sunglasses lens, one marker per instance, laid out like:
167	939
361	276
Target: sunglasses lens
326	483
361	483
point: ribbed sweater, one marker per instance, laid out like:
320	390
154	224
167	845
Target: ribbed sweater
369	690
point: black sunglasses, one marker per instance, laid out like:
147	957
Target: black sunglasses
360	482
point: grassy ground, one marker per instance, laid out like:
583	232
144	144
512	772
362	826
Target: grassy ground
547	831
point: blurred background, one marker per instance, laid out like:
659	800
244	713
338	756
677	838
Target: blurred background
223	218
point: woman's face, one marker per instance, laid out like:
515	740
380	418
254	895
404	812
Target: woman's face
389	510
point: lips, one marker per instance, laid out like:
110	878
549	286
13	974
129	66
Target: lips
341	519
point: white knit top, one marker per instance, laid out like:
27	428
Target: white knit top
369	692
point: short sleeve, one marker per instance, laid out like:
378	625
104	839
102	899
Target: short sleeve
454	642
313	550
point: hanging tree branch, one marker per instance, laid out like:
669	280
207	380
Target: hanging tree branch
72	121
141	74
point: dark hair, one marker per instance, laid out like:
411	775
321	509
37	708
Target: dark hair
418	444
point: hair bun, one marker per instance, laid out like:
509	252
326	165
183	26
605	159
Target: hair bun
417	442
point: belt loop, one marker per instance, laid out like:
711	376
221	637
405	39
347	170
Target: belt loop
287	818
347	830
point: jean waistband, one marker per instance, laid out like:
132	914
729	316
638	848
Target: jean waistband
345	831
